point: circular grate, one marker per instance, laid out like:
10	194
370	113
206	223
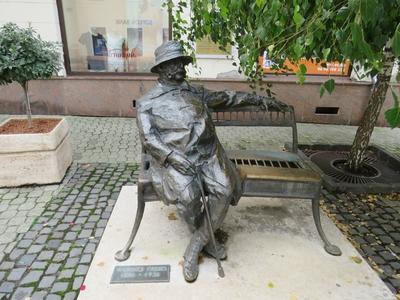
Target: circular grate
332	164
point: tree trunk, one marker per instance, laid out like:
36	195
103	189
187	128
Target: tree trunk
370	116
27	104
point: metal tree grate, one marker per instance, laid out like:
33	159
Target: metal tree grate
327	161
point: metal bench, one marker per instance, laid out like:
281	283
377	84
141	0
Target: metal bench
264	173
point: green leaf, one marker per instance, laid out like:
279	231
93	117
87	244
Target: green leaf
392	115
368	10
395	98
396	42
356	33
260	3
297	17
329	85
303	69
325	53
321	91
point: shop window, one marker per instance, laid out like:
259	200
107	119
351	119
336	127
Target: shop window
112	35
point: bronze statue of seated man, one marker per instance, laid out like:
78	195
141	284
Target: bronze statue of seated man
177	131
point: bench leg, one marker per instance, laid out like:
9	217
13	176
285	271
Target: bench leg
124	254
330	248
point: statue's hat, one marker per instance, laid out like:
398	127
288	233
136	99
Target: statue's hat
167	51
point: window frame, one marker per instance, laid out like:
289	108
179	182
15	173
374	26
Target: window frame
67	61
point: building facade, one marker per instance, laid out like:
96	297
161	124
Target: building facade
108	49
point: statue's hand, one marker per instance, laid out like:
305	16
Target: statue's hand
274	105
181	163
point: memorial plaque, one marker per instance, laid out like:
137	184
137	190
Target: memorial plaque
141	274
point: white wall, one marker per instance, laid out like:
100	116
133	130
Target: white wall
41	15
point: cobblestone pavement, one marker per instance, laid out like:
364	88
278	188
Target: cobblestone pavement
53	256
372	224
103	146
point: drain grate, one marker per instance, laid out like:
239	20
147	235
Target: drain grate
254	162
329	162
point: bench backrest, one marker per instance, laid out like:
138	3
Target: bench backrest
254	116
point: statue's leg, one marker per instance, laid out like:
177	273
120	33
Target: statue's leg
189	208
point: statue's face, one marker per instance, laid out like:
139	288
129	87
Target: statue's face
174	69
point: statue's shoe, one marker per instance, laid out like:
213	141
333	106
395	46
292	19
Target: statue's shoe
209	249
190	270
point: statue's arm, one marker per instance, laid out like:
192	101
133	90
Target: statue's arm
150	138
232	99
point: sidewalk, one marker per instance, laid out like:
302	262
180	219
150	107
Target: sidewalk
49	234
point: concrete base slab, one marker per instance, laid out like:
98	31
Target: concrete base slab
274	252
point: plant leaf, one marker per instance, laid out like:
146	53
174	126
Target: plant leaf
396	42
321	91
329	85
392	115
368	10
356	33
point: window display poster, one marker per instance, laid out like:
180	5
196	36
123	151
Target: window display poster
313	68
114	35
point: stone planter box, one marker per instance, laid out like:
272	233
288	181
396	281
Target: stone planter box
39	158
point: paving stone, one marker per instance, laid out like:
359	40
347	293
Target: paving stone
85	233
46	282
52	268
65	247
395	282
53	244
70	236
9	196
90	248
35	248
71	262
77	282
39	265
59	287
27	259
60	256
379	260
53	297
387	256
75	252
31	277
70	296
66	274
99	232
38	296
62	227
86	259
22	293
46	255
16	274
41	239
386	239
395	265
58	235
25	243
81	270
7	287
2	275
16	253
395	236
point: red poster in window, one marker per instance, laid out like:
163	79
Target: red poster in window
334	68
